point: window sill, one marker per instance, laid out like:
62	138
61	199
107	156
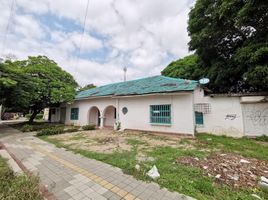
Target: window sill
199	125
158	124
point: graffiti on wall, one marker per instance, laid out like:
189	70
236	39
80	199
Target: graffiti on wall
258	117
231	117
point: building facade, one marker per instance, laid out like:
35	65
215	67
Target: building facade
163	104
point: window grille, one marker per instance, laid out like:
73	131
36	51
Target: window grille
204	108
74	113
160	114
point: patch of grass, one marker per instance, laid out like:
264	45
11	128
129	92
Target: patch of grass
263	138
177	177
135	142
78	136
245	146
17	187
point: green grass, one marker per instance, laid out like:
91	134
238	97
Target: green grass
177	177
244	146
17	187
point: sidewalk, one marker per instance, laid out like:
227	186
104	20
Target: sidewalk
71	176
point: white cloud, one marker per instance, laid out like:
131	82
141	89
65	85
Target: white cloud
142	35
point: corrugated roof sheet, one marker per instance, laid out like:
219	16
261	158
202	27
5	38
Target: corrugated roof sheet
154	84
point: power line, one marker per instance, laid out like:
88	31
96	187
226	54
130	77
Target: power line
81	39
8	25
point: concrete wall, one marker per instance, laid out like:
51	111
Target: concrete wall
138	115
225	118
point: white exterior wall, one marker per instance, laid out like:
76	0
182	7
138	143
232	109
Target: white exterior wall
226	116
84	108
138	115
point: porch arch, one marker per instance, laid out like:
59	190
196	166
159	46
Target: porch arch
109	115
94	116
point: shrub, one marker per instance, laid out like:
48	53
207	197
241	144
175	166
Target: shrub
263	138
51	131
27	128
28	116
89	127
38	116
70	130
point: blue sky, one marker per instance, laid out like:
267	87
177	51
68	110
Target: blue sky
142	35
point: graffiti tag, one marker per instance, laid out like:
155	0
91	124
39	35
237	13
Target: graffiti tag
231	117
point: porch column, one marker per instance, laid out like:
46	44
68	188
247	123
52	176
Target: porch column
101	121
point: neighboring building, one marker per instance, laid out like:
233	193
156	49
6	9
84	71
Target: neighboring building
163	104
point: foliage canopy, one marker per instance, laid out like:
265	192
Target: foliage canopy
35	83
231	41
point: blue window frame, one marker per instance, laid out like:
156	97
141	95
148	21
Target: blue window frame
199	120
74	113
160	114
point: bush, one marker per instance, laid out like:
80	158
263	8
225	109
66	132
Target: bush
38	116
51	131
28	116
70	130
27	128
89	127
263	138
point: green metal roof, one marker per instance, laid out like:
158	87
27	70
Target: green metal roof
154	84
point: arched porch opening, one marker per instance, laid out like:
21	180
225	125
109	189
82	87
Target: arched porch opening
109	115
94	116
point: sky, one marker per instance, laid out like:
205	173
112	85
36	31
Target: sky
142	35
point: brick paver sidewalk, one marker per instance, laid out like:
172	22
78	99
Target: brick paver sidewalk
71	176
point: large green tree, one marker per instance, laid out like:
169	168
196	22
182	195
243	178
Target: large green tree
230	37
35	83
187	68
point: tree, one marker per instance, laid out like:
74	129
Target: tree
187	68
40	83
87	87
230	38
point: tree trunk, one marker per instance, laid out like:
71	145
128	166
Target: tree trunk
35	112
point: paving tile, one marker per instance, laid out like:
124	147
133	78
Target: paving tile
72	176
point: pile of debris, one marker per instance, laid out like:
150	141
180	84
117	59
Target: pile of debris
231	169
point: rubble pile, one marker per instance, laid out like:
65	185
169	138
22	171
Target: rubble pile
231	169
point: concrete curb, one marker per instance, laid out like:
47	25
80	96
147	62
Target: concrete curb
16	162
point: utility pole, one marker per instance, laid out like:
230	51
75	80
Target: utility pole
125	73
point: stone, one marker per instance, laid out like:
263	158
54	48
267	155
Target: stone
218	176
244	161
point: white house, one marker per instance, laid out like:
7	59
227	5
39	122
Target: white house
163	104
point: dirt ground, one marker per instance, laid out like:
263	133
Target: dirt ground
107	141
229	168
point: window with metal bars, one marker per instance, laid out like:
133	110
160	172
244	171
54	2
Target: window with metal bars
160	114
74	113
